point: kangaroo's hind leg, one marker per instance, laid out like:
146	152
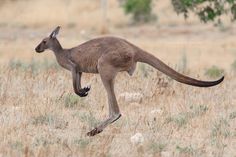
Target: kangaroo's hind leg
108	73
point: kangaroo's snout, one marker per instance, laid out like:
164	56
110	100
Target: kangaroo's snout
38	49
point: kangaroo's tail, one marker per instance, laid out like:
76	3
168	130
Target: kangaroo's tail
145	57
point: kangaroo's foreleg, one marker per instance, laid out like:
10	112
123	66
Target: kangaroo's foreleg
107	74
82	92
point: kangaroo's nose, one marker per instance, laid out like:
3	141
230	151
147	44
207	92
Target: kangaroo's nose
37	49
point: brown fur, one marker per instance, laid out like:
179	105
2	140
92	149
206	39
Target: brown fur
108	56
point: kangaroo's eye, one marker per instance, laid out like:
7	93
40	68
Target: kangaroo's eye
44	41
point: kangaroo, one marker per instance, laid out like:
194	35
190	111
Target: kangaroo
107	56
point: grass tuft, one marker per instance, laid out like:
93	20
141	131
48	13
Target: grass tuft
220	128
185	150
89	119
214	72
182	119
43	120
232	115
81	143
156	147
72	101
17	145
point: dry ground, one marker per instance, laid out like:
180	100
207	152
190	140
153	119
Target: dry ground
41	116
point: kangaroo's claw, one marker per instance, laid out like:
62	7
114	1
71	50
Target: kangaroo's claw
94	132
84	91
82	94
87	88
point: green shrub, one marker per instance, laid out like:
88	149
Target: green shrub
140	9
220	128
71	100
188	150
86	117
17	145
214	72
144	69
156	147
43	120
89	119
17	64
183	118
198	110
206	10
82	143
232	115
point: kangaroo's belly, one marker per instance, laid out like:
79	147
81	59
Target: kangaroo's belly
89	67
86	64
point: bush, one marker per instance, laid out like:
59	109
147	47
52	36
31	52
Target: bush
71	100
140	9
214	72
43	120
206	10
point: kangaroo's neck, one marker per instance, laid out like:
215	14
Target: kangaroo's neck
56	47
58	50
61	54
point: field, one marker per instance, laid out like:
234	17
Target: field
41	116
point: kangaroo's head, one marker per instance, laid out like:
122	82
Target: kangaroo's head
48	42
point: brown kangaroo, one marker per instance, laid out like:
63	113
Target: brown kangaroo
107	56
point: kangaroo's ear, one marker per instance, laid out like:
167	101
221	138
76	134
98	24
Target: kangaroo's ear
55	32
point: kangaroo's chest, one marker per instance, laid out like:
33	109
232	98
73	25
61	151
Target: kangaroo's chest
64	62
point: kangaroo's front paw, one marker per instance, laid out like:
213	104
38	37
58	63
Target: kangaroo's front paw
94	132
84	91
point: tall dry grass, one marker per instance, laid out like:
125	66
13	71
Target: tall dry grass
37	120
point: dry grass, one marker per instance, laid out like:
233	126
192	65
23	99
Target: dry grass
41	116
35	116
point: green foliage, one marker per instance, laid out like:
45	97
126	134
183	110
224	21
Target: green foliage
17	145
156	147
214	72
144	69
43	120
42	141
86	117
220	128
33	66
140	9
182	119
198	110
232	115
71	100
90	119
82	143
186	150
207	10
